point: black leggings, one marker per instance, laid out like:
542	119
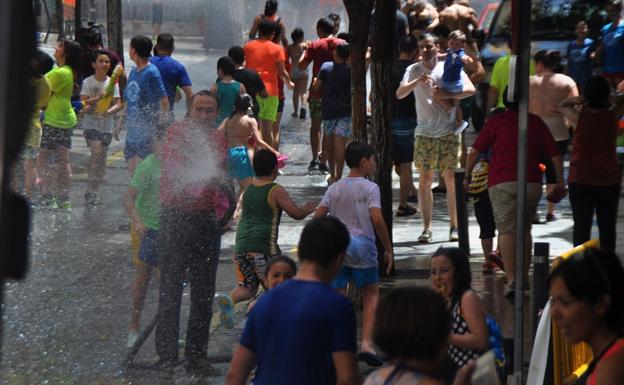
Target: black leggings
604	199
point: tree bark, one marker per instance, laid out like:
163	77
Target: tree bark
359	17
60	19
383	51
113	27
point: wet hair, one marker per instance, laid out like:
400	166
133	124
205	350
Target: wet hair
344	36
430	36
242	104
457	35
343	51
266	28
142	45
511	104
280	259
442	31
325	25
207	93
296	35
237	54
97	53
72	53
590	275
412	322
227	65
462	280
165	41
335	18
323	240
597	92
549	59
408	44
264	162
356	151
270	7
42	63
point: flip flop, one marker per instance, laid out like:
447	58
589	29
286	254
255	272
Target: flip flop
371	359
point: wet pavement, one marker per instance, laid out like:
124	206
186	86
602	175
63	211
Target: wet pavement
66	323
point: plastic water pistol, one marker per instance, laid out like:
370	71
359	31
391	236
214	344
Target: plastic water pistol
107	99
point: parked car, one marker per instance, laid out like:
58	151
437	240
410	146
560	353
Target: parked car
485	20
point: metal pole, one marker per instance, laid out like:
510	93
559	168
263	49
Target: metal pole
541	263
462	211
522	39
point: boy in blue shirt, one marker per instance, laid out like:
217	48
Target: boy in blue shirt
612	47
581	53
451	79
172	71
303	332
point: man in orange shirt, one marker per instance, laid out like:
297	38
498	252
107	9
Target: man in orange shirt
268	59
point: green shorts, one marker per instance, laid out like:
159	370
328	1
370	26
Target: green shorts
315	108
268	107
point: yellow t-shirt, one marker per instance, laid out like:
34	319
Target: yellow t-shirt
41	88
60	113
500	77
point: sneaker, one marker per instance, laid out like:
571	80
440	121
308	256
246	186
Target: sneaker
510	290
54	204
425	237
294	114
406	211
302	113
488	267
313	168
551	217
66	206
227	310
132	337
453	235
495	258
323	168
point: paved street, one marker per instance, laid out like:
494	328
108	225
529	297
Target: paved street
66	323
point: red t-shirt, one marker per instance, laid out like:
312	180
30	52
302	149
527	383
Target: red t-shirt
500	134
594	161
262	56
318	52
191	162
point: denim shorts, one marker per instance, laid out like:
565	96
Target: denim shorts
339	127
403	143
361	277
148	252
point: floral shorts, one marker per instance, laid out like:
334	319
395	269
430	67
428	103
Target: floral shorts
338	127
431	154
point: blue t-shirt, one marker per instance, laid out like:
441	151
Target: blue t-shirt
143	93
453	66
173	74
336	92
613	43
294	328
579	62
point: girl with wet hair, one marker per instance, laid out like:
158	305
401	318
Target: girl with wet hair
270	14
587	302
549	59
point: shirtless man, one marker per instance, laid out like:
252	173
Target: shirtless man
459	16
546	90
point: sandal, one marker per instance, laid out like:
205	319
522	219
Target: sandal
405	211
425	237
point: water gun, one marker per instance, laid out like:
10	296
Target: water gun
107	99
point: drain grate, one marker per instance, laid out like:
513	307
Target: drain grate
412	273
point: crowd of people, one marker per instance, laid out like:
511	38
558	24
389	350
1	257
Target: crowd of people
301	327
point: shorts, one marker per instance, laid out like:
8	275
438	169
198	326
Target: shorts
280	106
439	154
52	137
141	149
360	276
403	143
503	197
551	175
239	164
29	152
485	215
95	135
315	108
250	269
268	107
338	127
148	251
296	73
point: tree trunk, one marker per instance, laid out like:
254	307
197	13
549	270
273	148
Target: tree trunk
382	98
60	19
113	27
359	16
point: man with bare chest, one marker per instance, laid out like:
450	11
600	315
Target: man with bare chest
459	16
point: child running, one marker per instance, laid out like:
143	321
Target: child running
451	79
226	88
257	231
356	202
299	77
278	270
97	124
143	208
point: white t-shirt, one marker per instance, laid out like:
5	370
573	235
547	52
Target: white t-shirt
91	88
434	121
350	200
